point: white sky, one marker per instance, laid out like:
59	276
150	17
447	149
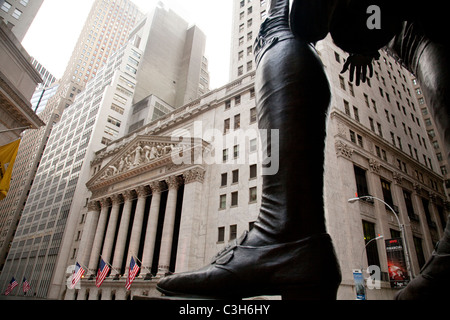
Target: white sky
55	30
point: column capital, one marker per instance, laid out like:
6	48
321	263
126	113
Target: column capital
142	191
194	175
174	182
128	195
156	187
116	199
93	206
105	202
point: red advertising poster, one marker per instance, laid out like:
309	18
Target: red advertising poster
398	273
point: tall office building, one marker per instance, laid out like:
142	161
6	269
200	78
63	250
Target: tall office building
99	115
42	96
185	75
247	18
19	14
47	78
434	136
107	27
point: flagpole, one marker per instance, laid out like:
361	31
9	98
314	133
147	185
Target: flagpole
142	267
132	253
112	268
84	267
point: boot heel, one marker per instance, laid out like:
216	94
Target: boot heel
317	292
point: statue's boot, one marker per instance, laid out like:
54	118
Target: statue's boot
429	60
433	281
288	251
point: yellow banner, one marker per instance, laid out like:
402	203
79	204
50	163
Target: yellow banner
8	155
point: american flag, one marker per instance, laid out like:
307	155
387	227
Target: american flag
102	272
26	285
77	274
11	286
134	269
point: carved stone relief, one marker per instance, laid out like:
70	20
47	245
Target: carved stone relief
156	186
343	149
174	182
398	178
142	153
93	206
374	166
417	188
194	175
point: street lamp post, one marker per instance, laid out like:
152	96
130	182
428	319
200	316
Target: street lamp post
401	226
362	257
365	247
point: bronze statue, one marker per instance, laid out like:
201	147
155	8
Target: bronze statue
288	252
415	33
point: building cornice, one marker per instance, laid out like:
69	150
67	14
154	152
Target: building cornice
144	154
13	45
17	106
337	115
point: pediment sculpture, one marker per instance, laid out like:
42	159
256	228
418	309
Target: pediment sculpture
143	153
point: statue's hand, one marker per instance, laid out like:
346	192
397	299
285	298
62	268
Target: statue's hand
359	64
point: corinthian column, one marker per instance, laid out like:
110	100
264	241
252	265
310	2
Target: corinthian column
123	231
112	225
169	224
99	233
87	238
152	225
142	193
192	217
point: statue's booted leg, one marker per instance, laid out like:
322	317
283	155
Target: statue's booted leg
288	252
434	78
434	279
430	62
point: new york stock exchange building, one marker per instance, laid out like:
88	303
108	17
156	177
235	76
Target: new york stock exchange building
169	195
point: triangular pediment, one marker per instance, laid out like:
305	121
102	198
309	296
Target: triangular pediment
141	154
